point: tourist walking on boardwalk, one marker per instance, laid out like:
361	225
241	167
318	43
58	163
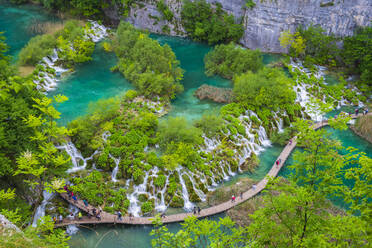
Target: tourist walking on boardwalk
98	216
70	216
365	111
194	210
241	195
119	215
199	210
290	142
80	215
60	218
254	186
277	162
74	198
94	211
85	203
233	198
357	111
162	215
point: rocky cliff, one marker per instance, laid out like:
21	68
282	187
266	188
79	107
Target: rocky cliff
264	22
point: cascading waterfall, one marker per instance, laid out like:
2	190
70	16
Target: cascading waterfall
115	170
200	193
75	156
134	208
48	81
40	211
72	229
161	207
188	205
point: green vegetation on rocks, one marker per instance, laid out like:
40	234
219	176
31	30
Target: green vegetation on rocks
211	24
232	60
152	68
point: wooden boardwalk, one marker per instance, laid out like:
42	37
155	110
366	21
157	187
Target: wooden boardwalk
107	218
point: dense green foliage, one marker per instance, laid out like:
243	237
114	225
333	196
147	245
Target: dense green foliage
357	54
206	23
164	9
71	42
178	130
231	60
152	68
210	124
295	213
313	46
268	88
29	159
37	48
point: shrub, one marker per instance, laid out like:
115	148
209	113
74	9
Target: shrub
177	129
205	23
36	49
229	60
210	124
152	68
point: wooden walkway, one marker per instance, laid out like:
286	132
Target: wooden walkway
107	218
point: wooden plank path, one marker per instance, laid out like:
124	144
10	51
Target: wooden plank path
107	218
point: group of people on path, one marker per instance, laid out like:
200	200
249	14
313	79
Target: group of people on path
365	111
196	210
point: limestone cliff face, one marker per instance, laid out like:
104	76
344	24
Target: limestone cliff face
264	22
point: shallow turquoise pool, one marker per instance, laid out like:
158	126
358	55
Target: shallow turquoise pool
16	23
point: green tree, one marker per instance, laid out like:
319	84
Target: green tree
357	56
231	60
205	23
37	48
269	88
177	129
152	68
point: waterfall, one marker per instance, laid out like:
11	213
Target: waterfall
161	207
75	156
115	170
188	205
40	211
106	135
72	229
210	144
134	208
262	137
48	81
200	193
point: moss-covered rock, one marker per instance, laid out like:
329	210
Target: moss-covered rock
143	197
177	202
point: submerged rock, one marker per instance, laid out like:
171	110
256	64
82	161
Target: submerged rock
215	94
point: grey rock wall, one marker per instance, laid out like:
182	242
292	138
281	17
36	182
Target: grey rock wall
264	23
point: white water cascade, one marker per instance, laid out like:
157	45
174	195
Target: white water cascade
200	193
161	207
49	81
115	170
40	211
134	208
72	229
75	156
188	205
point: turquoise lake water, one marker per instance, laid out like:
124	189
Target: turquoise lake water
93	80
21	19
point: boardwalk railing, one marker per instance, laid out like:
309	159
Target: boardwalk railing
107	218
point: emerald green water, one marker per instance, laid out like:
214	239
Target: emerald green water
16	22
90	82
